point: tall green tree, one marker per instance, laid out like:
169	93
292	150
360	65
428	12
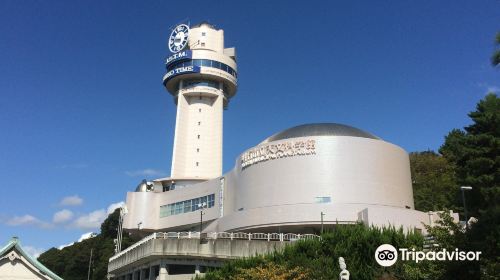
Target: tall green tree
495	59
434	183
475	152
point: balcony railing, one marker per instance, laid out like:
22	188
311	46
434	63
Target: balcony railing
288	237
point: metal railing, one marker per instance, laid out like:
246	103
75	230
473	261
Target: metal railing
288	237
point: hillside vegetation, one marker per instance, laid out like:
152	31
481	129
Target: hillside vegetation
72	262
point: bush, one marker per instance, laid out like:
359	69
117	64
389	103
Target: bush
318	259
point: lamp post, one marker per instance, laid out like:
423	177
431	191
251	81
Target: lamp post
322	214
465	188
201	206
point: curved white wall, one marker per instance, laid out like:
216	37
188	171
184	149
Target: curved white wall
354	172
365	180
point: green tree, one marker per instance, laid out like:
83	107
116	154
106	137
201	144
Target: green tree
434	184
450	236
318	259
71	263
495	59
475	152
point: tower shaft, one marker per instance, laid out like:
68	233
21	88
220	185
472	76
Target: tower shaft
198	133
202	79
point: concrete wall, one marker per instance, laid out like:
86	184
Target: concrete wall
190	251
145	207
353	172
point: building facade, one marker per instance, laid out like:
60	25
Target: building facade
298	181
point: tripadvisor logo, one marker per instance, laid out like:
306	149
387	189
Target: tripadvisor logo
387	255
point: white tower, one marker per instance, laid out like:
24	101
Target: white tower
201	75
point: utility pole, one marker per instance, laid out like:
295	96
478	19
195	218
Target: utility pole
322	214
123	212
465	188
90	263
201	206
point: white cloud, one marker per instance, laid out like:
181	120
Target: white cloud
113	206
493	89
489	88
27	220
145	173
84	236
91	220
73	200
62	216
35	252
87	235
65	245
94	219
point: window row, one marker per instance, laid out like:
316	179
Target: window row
194	83
187	206
205	63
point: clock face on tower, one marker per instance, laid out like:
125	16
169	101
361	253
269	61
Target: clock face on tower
178	38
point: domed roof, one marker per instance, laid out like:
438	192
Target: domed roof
320	129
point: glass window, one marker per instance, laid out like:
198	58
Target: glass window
323	199
178	208
216	64
211	200
206	62
162	211
187	206
197	62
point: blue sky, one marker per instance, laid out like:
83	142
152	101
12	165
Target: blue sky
84	116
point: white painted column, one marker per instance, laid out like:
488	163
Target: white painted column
163	270
197	269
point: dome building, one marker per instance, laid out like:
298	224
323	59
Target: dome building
294	181
299	181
